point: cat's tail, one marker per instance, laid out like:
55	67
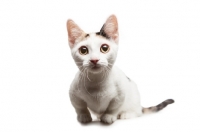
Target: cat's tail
157	107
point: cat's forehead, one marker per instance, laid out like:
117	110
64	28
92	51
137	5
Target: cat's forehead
101	35
95	35
94	38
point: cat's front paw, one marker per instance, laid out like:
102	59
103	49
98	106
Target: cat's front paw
84	118
108	119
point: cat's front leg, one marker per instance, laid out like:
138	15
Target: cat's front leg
112	111
83	114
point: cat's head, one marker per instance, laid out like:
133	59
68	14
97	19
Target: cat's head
94	52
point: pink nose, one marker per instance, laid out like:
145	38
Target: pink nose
94	61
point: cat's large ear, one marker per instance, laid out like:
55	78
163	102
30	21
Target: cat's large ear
75	33
110	28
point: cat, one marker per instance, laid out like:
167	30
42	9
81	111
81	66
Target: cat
100	87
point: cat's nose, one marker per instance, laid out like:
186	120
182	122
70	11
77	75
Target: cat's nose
94	61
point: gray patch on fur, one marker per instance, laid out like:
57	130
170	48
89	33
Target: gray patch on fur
102	33
128	78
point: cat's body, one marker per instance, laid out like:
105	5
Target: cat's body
99	86
115	87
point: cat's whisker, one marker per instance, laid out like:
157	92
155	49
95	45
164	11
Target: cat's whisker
108	68
78	61
87	76
81	77
80	67
110	64
86	65
111	59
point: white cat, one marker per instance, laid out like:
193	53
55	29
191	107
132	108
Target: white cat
99	86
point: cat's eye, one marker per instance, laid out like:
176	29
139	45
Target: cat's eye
83	50
104	48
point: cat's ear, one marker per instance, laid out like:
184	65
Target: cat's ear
110	28
75	33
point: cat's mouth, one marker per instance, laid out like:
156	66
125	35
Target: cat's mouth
96	67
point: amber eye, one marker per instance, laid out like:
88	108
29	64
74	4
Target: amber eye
83	50
104	48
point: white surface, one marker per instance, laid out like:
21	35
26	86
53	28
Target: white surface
159	50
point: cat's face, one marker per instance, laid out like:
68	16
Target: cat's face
94	52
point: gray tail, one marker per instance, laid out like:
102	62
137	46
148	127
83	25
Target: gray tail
157	107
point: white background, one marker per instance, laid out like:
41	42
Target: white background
159	50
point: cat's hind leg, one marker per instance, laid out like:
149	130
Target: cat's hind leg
127	115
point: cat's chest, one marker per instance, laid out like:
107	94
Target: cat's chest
98	103
99	100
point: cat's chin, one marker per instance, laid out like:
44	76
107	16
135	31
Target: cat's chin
95	70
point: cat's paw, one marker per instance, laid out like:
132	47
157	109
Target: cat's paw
84	118
108	119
